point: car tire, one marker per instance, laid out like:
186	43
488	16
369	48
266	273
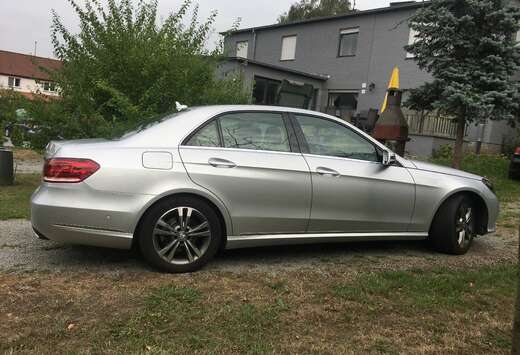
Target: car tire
453	227
180	234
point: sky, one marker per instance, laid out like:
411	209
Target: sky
24	22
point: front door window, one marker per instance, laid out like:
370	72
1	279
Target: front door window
326	137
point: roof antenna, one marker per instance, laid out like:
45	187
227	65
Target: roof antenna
35	44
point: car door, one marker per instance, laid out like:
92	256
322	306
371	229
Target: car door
250	161
352	190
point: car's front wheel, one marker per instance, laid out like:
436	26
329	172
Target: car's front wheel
453	227
180	234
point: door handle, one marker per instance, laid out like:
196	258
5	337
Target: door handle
326	171
221	163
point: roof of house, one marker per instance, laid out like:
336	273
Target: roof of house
394	6
26	66
321	77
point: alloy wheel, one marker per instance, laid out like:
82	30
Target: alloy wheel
464	225
181	235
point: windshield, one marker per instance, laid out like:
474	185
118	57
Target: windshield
153	122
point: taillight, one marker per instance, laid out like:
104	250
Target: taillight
517	150
68	169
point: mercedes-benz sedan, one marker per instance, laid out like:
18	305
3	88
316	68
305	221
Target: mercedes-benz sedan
218	177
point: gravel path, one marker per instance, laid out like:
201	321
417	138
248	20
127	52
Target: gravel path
20	252
28	166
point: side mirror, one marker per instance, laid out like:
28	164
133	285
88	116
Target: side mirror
389	158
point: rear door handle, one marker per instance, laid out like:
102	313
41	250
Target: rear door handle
326	171
221	163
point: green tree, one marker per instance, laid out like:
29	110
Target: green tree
469	48
307	9
124	67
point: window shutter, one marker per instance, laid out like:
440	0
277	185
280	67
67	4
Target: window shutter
288	48
242	48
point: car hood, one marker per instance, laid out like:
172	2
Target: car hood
421	165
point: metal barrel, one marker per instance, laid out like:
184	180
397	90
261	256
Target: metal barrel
6	167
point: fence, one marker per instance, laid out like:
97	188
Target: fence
430	124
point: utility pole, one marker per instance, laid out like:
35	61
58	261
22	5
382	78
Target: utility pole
35	44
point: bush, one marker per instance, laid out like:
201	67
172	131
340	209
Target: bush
125	67
444	152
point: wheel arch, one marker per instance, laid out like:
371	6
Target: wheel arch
219	208
480	204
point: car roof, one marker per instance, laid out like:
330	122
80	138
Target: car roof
177	127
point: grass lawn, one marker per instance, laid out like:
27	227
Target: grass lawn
323	310
414	311
15	199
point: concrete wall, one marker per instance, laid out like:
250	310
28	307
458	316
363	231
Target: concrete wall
26	85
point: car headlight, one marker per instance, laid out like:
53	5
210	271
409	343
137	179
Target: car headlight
489	184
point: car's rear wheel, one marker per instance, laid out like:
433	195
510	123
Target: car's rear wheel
180	235
453	227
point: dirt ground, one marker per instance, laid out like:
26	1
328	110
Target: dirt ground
20	251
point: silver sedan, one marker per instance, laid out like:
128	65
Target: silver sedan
218	177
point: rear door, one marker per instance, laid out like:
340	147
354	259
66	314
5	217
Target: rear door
352	190
251	162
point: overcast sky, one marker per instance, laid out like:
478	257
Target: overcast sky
22	22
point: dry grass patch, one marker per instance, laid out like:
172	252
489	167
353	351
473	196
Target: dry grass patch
413	311
21	154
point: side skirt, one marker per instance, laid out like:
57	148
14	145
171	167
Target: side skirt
247	241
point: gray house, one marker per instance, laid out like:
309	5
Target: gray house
341	65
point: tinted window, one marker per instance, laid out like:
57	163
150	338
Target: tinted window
260	131
206	136
326	137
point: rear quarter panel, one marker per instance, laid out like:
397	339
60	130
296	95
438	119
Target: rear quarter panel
123	176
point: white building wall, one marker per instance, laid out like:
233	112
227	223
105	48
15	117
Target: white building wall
26	85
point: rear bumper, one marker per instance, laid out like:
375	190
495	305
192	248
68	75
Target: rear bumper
78	214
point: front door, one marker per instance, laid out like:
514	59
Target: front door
352	190
248	161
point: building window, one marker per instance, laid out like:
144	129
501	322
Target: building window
242	48
344	100
412	38
49	86
265	91
348	39
288	48
14	82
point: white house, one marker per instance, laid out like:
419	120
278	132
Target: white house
26	74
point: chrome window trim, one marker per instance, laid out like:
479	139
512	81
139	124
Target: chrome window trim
240	150
341	158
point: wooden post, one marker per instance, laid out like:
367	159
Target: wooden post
516	321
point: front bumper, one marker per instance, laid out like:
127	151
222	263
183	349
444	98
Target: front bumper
78	214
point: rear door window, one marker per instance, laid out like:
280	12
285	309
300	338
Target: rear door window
255	130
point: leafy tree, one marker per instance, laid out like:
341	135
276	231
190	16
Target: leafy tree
124	68
307	9
469	48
